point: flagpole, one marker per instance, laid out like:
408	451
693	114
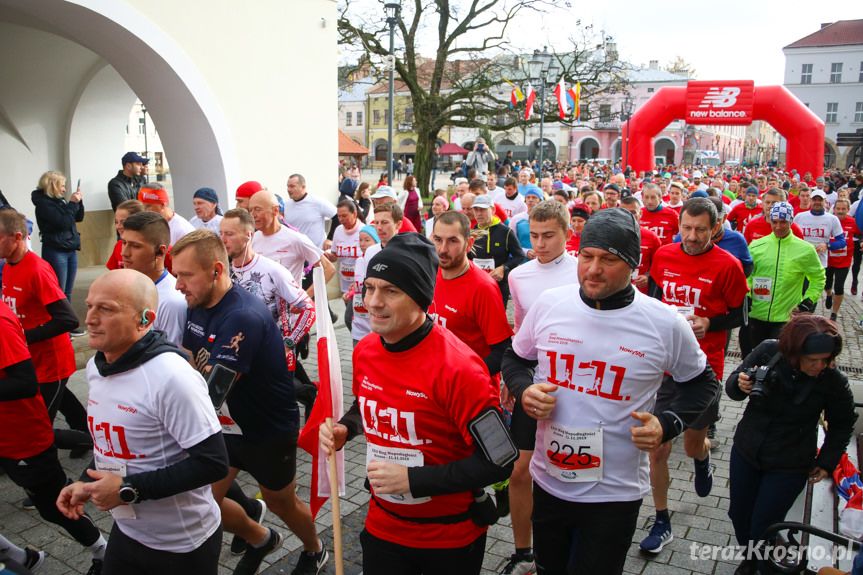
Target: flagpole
337	515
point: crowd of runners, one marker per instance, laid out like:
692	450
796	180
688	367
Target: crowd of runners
625	290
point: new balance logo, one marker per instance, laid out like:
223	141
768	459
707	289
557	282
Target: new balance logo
720	98
379	267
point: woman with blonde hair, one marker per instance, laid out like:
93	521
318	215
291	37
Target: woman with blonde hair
56	219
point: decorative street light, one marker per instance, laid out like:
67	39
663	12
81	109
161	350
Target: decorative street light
626	109
541	69
144	112
392	10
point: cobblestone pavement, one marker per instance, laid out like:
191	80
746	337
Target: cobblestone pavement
695	520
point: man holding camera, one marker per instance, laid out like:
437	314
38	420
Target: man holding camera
782	263
480	157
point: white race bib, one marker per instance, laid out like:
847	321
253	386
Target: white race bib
573	455
359	308
124	511
686	310
346	267
762	289
400	456
229	426
486	264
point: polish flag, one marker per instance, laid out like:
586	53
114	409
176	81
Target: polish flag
531	96
560	93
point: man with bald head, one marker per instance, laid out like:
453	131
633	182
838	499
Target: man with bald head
290	248
156	440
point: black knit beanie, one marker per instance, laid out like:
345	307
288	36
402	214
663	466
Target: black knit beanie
410	262
614	230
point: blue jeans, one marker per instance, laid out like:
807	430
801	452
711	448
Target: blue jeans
759	498
65	265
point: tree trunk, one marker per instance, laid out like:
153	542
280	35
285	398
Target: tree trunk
425	158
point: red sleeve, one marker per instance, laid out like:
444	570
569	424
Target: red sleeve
407	226
46	285
795	229
675	226
467	391
114	261
747	233
491	316
498	211
794	201
14	349
738	286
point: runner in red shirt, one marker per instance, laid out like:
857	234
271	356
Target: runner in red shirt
839	261
657	218
27	452
578	216
708	286
804	200
760	227
418	389
649	244
466	300
741	214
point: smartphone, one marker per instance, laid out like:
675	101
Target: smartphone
219	384
489	432
78	187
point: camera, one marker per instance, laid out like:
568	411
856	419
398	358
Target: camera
758	376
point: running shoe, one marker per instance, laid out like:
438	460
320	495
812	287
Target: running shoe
660	536
311	563
251	561
828	302
28	504
519	564
854	288
95	567
238	544
703	476
833	317
34	558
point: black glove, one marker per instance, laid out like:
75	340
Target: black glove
806	306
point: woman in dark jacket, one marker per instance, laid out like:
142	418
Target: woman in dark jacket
56	219
775	447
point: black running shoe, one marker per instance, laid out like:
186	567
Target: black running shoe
251	561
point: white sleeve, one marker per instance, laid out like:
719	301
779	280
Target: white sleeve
328	210
171	318
524	342
185	408
287	287
685	360
310	252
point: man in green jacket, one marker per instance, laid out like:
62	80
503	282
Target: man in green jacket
782	263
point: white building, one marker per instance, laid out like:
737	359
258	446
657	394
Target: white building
825	70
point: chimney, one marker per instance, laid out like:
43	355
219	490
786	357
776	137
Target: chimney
610	51
654	64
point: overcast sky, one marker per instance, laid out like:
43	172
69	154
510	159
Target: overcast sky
721	40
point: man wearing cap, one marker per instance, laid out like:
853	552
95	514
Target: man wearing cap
782	262
611	193
155	199
759	227
309	214
745	211
418	390
498	252
386	194
207	211
125	185
246	191
524	183
586	363
821	228
477	187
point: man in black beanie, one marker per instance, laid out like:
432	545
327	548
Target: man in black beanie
586	364
426	404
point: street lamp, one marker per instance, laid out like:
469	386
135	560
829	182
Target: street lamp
392	10
541	69
144	111
626	109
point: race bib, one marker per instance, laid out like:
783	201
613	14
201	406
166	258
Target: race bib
124	511
405	457
359	308
762	289
686	310
229	426
573	455
346	268
486	264
839	253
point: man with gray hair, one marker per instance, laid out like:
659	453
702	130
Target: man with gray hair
480	157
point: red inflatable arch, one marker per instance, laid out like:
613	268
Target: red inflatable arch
728	103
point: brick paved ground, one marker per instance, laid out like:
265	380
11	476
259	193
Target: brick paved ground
695	520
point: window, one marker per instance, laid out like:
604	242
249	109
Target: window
359	118
409	115
650	90
832	112
806	74
584	110
860	79
386	117
348	116
858	113
836	73
141	125
605	112
376	119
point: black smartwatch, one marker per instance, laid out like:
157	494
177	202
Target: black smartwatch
128	493
289	343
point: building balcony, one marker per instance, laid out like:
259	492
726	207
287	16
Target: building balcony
606	124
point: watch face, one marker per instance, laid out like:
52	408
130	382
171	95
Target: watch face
128	495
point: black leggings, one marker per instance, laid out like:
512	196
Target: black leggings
858	257
43	478
56	398
126	556
383	557
836	276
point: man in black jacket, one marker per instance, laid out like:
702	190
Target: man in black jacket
125	185
498	252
